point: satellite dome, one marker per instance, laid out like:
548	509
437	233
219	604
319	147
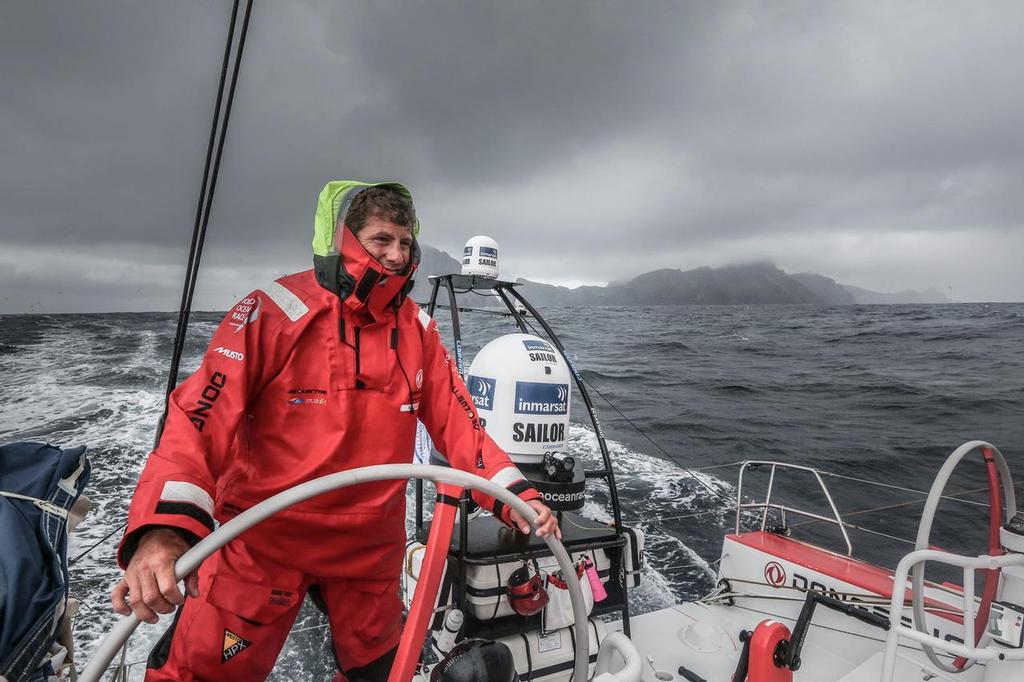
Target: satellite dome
520	385
480	257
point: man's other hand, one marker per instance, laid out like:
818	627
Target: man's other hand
546	521
149	586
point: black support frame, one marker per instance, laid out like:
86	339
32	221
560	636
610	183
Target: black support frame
509	296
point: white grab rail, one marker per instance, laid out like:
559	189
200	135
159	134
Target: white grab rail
767	504
191	560
618	643
898	629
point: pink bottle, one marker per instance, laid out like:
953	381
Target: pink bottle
596	586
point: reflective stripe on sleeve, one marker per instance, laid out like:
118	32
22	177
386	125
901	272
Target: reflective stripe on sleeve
289	303
507	476
424	318
182	491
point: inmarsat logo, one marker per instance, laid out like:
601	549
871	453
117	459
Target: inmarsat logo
481	390
537	398
774	574
535	344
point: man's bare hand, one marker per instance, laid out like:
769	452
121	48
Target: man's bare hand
149	586
546	521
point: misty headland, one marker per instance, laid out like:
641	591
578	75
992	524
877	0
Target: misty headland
741	284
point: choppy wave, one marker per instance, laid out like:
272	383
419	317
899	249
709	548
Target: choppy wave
875	392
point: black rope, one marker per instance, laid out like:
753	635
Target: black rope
662	450
97	544
206	192
689	472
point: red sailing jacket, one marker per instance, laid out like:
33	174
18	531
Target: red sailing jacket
297	384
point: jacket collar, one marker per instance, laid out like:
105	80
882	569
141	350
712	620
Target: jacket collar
364	284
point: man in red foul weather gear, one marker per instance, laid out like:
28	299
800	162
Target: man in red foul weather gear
321	371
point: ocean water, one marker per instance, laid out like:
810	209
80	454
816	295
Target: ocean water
869	394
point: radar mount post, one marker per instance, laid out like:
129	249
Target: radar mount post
506	291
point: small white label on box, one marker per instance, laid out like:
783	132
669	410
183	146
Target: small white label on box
552	642
1006	624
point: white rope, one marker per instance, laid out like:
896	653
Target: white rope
45	505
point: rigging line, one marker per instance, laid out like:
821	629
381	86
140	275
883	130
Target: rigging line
97	544
724	596
659	522
720	466
207	190
869	598
864	529
951	496
182	314
897	487
832	629
673	459
679	517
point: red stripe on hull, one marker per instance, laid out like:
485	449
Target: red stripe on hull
865	576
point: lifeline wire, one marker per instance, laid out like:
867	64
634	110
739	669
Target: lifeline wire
951	496
206	192
671	458
202	216
686	469
908	490
97	544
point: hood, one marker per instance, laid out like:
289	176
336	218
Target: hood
353	274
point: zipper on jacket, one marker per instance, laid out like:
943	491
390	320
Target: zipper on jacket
359	384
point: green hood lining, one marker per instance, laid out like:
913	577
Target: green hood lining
334	200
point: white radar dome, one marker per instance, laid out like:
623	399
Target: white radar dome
520	385
480	257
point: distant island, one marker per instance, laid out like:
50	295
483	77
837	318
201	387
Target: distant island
752	283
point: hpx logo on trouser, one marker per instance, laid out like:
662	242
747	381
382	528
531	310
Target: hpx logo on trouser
235	629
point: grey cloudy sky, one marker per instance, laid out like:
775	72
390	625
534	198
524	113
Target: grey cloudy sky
879	143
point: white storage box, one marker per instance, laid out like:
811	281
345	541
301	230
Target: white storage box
550	657
634	551
485	584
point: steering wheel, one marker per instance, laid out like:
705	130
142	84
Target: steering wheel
190	561
998	471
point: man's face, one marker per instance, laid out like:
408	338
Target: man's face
390	244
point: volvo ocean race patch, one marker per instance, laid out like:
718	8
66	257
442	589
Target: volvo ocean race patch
246	312
233	645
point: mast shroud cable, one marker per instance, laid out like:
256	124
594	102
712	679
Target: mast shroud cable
205	203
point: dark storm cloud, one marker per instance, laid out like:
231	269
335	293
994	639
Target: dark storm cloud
878	143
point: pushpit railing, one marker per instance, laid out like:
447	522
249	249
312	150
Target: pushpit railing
899	629
767	503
